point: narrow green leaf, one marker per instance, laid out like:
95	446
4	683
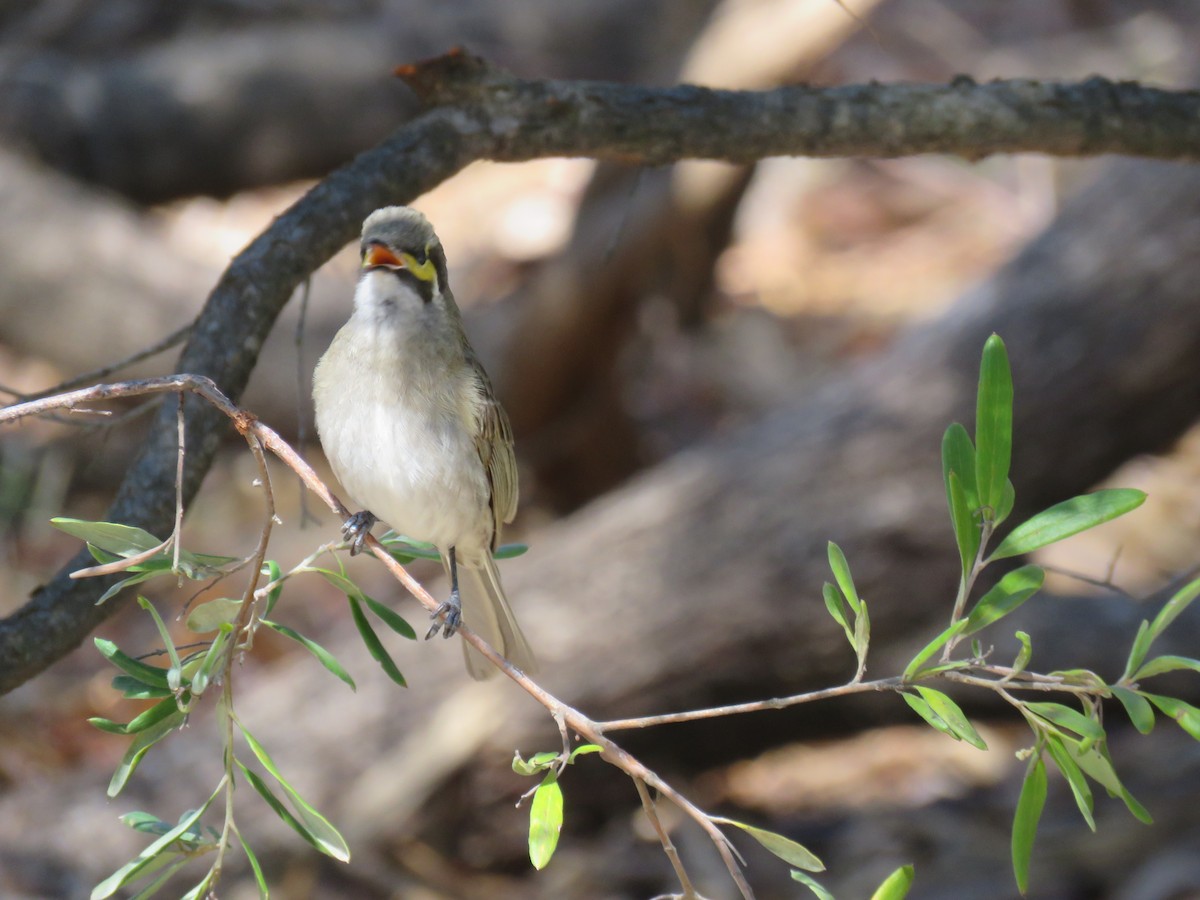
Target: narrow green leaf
272	572
1067	518
785	848
326	838
399	544
958	455
136	867
1185	714
323	656
132	689
966	526
137	749
1173	607
154	676
264	891
510	551
174	674
950	713
1137	653
200	889
545	821
811	883
837	608
212	614
925	711
391	618
1137	707
841	574
164	709
1025	822
264	790
1161	664
170	863
374	645
896	886
1004	507
112	537
862	636
1024	654
1096	763
993	424
1068	718
200	677
583	750
124	583
913	668
1009	593
145	822
1075	778
107	725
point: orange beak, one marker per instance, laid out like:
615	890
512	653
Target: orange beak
378	255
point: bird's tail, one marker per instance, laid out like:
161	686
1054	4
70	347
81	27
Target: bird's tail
486	611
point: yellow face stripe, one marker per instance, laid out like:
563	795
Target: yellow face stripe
426	271
378	255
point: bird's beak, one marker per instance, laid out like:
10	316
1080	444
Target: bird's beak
377	255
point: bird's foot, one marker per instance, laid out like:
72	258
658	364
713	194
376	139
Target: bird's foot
356	528
452	610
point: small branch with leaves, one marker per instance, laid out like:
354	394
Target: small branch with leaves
979	497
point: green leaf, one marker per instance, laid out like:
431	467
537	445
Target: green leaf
200	889
1137	653
273	574
841	574
264	892
126	582
1025	822
837	608
399	545
107	725
862	637
1024	654
1173	607
510	551
324	657
212	614
374	645
164	709
175	673
216	650
1067	518
785	848
145	822
339	853
1075	778
137	749
925	711
545	821
993	424
914	668
1185	714
324	836
583	750
391	618
1071	719
950	713
137	867
1096	763
811	883
132	689
121	540
154	676
896	886
1137	707
966	526
1007	499
1161	664
1009	593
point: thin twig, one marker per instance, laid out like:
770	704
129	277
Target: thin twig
175	337
689	890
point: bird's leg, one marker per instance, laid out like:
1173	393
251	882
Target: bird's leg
451	608
356	528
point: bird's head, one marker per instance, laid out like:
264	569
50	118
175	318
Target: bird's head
400	249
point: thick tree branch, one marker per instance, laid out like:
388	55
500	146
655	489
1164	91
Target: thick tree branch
480	113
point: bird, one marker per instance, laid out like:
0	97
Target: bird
412	429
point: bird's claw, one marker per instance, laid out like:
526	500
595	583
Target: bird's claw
356	528
452	610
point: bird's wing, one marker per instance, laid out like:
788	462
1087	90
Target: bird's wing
494	441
